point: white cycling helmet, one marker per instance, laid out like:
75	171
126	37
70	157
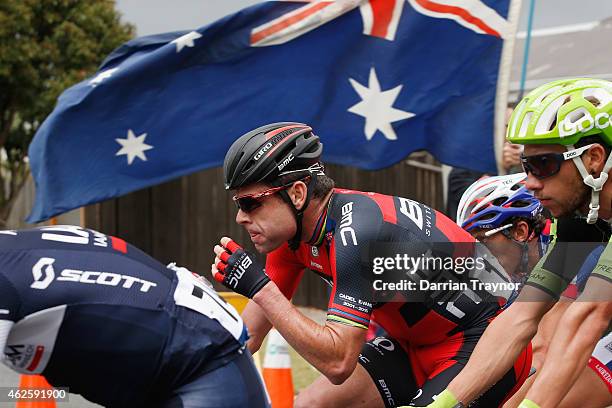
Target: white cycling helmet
491	202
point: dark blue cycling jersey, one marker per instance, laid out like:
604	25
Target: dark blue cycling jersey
101	317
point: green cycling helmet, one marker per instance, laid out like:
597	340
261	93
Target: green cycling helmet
563	112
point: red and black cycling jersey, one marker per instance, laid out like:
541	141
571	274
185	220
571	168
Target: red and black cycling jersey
353	224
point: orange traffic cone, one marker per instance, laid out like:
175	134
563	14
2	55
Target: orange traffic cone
37	382
277	371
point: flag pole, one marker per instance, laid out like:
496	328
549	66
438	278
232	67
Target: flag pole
503	83
526	52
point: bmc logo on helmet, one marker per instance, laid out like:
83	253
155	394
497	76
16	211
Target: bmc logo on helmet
285	162
261	151
585	124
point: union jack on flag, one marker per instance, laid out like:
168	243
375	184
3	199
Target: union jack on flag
377	79
380	18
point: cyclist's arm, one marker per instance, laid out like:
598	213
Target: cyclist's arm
540	344
257	324
546	330
500	345
578	332
550	321
332	349
286	272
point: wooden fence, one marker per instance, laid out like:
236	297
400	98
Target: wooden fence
180	221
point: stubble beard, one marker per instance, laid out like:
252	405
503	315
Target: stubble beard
579	201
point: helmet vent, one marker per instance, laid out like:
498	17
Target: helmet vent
248	166
576	115
548	118
486	217
277	138
541	98
598	97
236	161
499	201
521	203
594	101
525	124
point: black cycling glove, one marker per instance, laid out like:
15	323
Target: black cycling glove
240	271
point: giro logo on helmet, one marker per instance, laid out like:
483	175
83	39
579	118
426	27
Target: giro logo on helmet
261	151
586	123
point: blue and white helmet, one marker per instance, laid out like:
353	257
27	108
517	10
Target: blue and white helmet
491	202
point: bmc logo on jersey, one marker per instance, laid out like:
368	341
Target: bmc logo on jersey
44	275
345	224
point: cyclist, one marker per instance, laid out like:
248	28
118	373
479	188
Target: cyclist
498	209
295	216
595	381
505	216
502	214
559	121
95	314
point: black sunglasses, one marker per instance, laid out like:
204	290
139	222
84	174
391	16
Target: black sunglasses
549	164
250	202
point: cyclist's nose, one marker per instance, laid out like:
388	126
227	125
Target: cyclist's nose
242	218
533	183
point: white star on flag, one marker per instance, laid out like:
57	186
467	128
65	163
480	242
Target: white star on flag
102	76
376	107
133	146
186	41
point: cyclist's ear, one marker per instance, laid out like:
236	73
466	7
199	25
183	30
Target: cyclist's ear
297	193
520	231
595	158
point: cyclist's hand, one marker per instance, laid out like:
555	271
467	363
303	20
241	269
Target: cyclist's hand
237	269
511	155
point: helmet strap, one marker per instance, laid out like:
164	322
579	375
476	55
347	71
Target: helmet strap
596	184
524	247
294	242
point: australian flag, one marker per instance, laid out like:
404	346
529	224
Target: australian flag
377	79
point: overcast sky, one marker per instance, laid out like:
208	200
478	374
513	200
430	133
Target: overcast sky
157	16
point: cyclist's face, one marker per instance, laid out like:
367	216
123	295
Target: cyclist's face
270	224
507	253
562	193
